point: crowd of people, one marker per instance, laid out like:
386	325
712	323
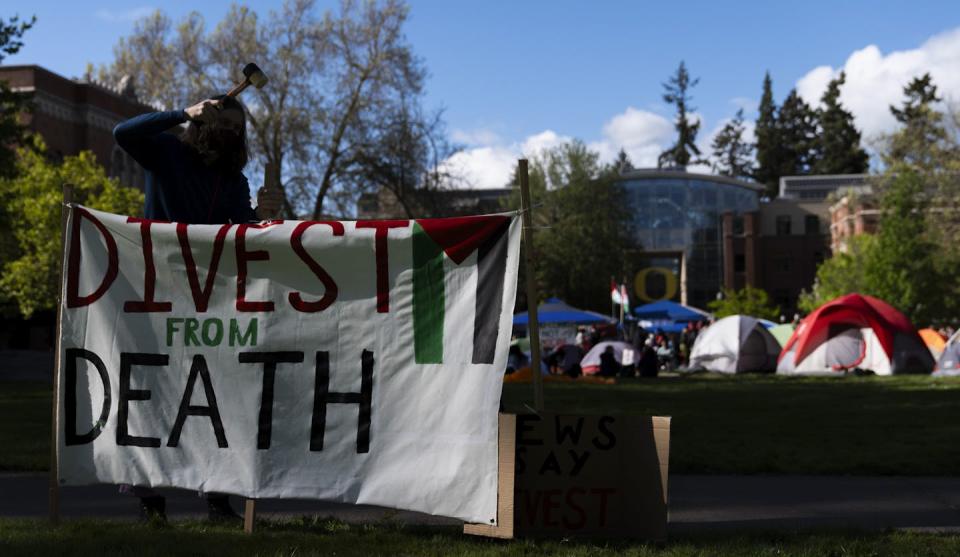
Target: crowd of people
650	351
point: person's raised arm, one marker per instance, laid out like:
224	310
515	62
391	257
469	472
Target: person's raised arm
140	136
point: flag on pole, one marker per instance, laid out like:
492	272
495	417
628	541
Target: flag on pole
625	297
615	293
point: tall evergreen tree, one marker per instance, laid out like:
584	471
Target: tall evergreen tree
923	138
768	148
797	134
623	163
676	92
731	153
838	141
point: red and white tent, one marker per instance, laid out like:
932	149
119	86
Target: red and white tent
855	331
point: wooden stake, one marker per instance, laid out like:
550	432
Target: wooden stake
249	515
53	492
533	326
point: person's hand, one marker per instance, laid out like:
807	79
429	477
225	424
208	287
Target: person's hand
204	111
269	203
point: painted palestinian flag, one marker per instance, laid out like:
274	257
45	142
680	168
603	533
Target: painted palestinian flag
455	239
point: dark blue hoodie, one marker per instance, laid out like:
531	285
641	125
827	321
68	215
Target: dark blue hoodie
179	187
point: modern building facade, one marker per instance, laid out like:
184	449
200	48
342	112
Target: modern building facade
697	234
678	223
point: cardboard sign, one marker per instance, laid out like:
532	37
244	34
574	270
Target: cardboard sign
583	476
347	361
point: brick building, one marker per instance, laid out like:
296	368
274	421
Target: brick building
72	116
776	248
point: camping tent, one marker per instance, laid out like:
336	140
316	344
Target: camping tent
934	341
735	344
949	362
855	331
782	332
668	316
590	364
555	310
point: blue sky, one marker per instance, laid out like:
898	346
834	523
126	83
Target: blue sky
517	76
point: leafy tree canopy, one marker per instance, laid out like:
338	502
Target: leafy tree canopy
583	225
31	199
747	301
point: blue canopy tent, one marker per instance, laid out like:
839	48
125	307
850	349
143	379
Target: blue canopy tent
668	316
555	310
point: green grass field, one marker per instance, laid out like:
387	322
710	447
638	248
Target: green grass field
733	425
329	537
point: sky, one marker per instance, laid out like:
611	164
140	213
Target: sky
515	77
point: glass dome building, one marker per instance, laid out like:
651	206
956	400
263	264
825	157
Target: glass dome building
677	221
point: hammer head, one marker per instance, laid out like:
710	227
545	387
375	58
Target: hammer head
254	75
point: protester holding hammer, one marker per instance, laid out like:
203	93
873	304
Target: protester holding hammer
196	178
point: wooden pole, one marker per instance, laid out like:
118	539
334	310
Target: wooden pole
249	515
533	324
53	491
271	181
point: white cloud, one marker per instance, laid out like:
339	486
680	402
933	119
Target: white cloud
543	141
489	163
641	133
875	81
475	137
483	167
124	16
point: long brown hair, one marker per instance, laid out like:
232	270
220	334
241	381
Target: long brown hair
216	146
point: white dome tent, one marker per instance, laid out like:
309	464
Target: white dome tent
948	364
735	344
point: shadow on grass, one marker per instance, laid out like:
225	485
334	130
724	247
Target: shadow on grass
323	536
748	424
785	425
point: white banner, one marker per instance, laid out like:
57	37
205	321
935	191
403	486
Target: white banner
345	361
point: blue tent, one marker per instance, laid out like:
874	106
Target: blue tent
555	310
668	316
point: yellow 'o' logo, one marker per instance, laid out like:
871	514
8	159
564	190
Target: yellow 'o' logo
647	279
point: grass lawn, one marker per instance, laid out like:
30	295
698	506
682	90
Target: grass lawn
753	424
734	425
330	537
24	426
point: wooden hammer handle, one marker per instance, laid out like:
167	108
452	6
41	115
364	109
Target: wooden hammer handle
239	88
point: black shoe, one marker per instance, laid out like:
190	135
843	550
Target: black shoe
153	509
219	509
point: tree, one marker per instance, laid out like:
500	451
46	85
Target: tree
901	269
405	156
769	152
337	85
731	153
31	199
797	133
838	140
898	264
12	104
676	92
922	141
843	273
747	301
584	227
623	163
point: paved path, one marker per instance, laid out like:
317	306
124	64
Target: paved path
696	503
